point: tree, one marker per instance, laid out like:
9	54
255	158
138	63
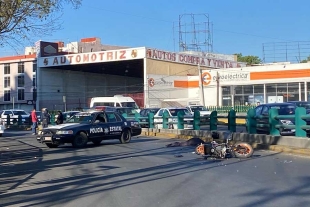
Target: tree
22	20
249	59
306	60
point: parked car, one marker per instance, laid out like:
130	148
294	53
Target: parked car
173	112
144	113
14	113
283	109
304	104
202	109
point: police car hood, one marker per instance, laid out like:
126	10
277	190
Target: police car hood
66	126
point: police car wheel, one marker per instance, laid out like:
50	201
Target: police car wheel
80	140
50	145
125	137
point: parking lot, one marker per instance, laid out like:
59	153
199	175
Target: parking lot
145	173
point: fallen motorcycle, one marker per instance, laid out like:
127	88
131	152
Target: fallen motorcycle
225	150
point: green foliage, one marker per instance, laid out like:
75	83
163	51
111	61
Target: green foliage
249	59
23	19
306	60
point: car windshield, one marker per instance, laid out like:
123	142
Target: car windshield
305	105
128	111
199	108
20	113
129	104
285	110
81	118
174	112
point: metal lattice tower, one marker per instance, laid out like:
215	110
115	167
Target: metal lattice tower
195	33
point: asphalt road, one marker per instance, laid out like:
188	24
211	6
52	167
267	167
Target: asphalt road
145	173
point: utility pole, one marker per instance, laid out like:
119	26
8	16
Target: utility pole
217	89
202	93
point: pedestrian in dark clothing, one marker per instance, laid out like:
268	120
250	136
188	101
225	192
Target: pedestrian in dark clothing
45	117
34	120
60	118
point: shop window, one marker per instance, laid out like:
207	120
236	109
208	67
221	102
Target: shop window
271	89
240	100
248	89
302	89
226	101
258	89
238	89
226	90
282	92
292	92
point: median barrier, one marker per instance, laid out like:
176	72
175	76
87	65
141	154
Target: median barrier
287	144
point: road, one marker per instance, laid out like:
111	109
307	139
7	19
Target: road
145	173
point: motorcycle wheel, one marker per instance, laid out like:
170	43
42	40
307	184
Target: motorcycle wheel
243	150
200	149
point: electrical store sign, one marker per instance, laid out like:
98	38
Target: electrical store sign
191	59
228	77
92	57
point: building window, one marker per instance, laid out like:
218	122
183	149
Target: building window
7	83
226	96
21	94
34	67
7	69
21	68
21	81
292	92
7	95
34	80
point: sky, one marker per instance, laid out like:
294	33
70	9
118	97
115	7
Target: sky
239	26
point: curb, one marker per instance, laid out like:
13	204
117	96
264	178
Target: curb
256	146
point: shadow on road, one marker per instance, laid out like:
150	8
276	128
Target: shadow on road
51	192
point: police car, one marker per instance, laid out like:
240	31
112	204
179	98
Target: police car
92	126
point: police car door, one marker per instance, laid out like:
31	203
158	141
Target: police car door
114	125
97	129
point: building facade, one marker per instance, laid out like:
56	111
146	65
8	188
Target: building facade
63	77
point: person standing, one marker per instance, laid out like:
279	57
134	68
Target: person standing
45	118
34	120
60	118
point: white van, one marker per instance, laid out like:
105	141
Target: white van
115	101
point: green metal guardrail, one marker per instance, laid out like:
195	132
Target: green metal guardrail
196	121
272	122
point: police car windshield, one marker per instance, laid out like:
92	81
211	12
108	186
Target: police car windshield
81	118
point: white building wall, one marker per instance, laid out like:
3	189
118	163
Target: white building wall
28	76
